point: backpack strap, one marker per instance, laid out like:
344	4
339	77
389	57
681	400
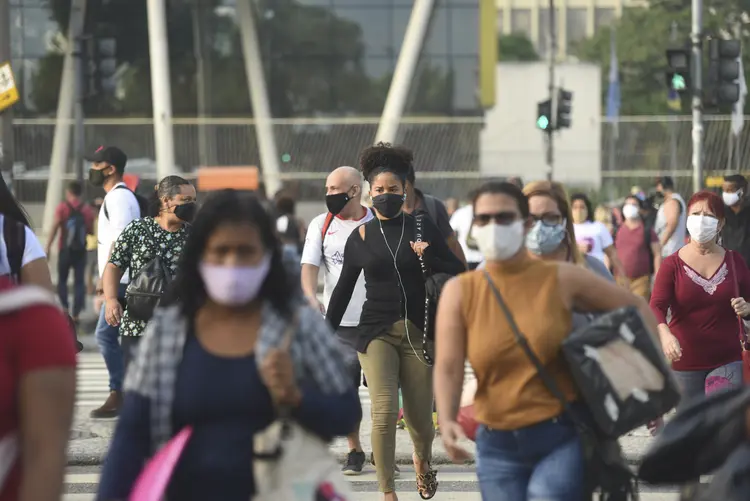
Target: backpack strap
104	205
22	297
431	206
326	225
14	234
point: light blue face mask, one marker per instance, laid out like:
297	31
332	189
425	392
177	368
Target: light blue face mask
545	239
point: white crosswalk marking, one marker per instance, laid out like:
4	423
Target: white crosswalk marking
456	484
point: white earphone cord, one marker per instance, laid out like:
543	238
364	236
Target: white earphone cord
401	283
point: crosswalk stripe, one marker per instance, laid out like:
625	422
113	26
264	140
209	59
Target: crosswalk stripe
375	496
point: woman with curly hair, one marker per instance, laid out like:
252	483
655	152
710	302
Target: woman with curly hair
392	319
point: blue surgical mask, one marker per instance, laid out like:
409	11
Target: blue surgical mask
545	239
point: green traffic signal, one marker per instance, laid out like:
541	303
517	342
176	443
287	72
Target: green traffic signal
286	158
542	122
678	82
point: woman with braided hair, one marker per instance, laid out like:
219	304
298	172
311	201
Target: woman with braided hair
390	343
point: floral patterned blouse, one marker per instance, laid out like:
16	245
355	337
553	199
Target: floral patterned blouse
136	246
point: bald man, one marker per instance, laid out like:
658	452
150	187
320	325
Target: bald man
324	244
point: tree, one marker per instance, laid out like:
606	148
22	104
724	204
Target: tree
515	47
642	35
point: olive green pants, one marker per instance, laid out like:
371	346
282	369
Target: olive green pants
391	361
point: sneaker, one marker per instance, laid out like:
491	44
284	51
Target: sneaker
110	408
355	461
396	470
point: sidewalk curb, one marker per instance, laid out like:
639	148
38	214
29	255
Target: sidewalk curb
84	459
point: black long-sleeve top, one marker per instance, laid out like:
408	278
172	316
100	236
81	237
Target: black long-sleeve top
385	302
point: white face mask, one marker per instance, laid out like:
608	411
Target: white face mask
731	199
630	211
702	229
498	242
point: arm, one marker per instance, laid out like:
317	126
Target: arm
46	399
656	251
450	354
614	260
111	281
446	229
438	255
347	280
34	264
119	260
312	258
672	215
129	448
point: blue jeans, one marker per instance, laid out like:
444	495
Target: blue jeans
542	462
109	346
65	261
693	383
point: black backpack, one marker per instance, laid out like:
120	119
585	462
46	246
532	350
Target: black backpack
75	231
142	202
14	235
146	288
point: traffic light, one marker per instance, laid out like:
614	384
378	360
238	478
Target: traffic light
678	74
544	115
564	109
724	71
100	64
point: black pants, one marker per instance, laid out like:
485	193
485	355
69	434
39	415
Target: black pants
129	345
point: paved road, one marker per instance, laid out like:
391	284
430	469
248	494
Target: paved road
456	484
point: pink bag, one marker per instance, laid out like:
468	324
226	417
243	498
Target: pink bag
466	410
153	480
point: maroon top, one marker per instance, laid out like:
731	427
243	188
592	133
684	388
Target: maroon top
703	320
633	250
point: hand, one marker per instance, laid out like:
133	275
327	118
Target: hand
48	250
624	283
451	433
584	247
419	247
317	305
113	312
741	307
671	347
277	372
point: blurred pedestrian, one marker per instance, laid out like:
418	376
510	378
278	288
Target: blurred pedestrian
736	233
638	249
670	218
593	237
219	342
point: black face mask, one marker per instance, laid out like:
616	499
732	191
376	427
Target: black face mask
388	204
186	212
97	177
337	202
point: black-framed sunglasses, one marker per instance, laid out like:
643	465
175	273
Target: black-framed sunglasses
548	219
501	218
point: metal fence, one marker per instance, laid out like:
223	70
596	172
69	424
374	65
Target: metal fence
447	149
638	149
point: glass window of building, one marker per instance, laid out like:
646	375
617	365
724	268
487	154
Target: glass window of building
576	25
603	16
544	40
520	21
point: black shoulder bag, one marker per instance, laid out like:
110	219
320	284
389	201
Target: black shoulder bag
147	287
607	474
433	286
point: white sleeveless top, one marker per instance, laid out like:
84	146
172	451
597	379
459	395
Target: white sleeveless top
677	240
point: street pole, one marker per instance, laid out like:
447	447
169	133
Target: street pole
200	52
552	100
673	124
79	55
6	117
696	37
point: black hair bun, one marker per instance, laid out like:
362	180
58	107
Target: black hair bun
383	157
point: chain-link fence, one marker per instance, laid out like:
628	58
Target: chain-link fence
639	149
446	149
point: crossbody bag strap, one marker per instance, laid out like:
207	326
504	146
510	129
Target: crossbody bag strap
743	334
547	379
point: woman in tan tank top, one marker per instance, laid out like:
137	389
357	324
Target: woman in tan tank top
527	449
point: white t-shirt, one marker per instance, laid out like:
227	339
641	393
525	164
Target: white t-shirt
461	223
31	252
596	235
122	207
333	250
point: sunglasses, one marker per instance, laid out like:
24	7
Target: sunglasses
501	218
548	219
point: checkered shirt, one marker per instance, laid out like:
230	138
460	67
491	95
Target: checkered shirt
317	355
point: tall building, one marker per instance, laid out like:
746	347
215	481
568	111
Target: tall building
575	20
